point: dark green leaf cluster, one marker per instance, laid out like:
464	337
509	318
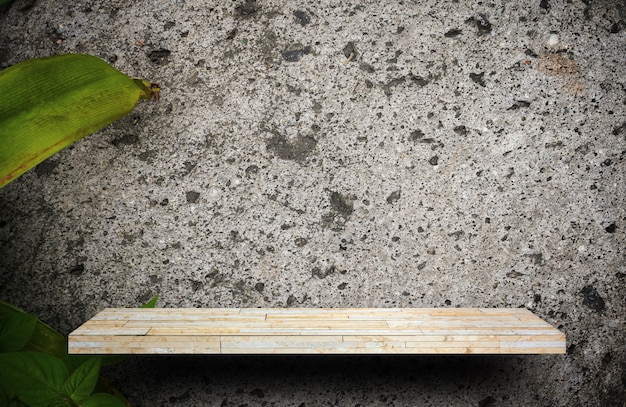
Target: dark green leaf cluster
35	369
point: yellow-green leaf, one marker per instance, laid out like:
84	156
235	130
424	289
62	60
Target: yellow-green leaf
49	103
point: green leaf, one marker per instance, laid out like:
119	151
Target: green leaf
83	380
102	400
151	303
34	378
15	331
48	104
48	340
5	400
45	339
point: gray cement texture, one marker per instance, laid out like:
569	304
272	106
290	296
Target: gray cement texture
339	154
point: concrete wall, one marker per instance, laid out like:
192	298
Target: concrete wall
339	154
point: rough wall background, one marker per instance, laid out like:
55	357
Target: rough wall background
338	154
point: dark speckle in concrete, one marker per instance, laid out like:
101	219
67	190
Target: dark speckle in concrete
302	17
416	134
615	28
349	51
619	129
296	54
247	8
481	22
592	299
461	130
341	204
297	150
537	258
148	155
47	167
367	67
388	87
77	270
231	34
453	33
478	78
126	139
251	170
394	197
518	104
319	273
159	56
419	80
192	196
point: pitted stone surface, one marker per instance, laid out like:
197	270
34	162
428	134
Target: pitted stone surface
339	154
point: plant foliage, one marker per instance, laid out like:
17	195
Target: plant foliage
36	370
49	103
